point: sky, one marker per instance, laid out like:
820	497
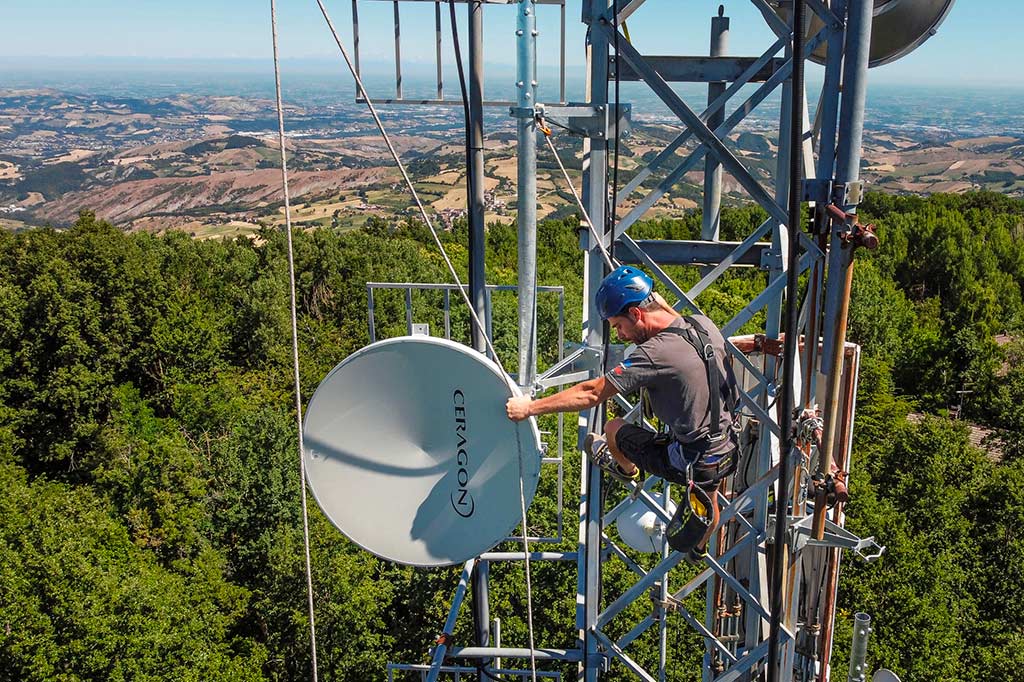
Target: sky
978	44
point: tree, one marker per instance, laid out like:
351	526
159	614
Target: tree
80	600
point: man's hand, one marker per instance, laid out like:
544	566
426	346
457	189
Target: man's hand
518	407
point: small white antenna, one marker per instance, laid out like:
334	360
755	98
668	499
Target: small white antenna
639	526
883	675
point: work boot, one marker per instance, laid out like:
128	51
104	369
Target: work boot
596	447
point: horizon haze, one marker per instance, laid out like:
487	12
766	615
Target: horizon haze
966	50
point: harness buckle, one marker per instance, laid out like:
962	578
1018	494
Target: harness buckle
709	352
717	438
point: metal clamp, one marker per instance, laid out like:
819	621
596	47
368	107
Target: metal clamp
771	260
848	194
827	191
767	345
525	112
590	121
818	190
850	230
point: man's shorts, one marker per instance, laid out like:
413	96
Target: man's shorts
651	452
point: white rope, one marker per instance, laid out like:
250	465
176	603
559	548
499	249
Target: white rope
295	338
465	297
579	202
526	561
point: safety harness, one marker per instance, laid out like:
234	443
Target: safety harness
707	473
697	515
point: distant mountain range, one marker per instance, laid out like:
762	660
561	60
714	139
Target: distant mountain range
198	161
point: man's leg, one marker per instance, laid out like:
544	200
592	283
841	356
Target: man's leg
611	429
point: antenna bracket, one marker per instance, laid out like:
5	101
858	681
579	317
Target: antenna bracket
589	121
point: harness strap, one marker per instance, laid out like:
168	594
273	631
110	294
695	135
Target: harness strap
707	352
697	336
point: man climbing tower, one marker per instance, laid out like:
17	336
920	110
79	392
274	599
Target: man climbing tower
680	362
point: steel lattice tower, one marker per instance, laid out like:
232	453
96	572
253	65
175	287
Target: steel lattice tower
736	577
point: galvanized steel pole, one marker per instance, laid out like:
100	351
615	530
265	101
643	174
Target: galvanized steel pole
828	110
848	153
475	173
859	648
526	90
855	89
780	550
712	168
437	660
840	272
827	115
595	198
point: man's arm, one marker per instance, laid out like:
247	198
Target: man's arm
582	396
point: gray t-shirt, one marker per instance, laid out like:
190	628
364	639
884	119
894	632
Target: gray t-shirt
676	380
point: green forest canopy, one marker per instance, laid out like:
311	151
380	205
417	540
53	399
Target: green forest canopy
151	522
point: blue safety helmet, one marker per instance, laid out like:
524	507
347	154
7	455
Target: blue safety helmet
624	286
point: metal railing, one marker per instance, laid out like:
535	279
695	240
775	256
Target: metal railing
440	99
457	671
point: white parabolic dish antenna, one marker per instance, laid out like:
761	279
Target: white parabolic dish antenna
409	452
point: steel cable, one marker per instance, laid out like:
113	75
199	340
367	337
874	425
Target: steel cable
295	337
